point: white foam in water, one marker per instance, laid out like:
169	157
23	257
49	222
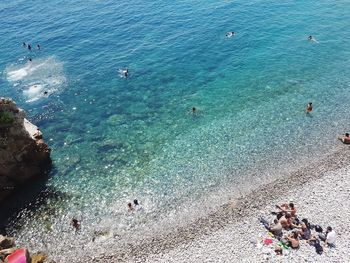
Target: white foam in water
36	77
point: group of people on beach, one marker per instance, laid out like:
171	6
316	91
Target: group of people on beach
289	230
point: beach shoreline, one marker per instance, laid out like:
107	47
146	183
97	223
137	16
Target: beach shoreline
233	213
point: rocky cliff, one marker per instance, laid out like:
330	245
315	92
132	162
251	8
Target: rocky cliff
23	153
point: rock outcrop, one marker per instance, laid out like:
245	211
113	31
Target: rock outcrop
23	153
9	252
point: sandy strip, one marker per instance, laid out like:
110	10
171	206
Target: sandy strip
321	192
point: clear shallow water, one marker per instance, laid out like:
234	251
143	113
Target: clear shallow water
116	139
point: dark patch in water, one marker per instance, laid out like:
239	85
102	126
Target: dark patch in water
108	147
28	197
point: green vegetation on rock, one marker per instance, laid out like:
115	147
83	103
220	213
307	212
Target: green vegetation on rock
5	118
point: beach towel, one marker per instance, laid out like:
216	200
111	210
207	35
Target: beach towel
268	241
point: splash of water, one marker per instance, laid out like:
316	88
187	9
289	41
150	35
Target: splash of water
37	79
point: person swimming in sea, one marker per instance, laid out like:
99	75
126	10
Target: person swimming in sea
311	38
38	46
230	34
24	45
29	47
124	72
309	107
30	60
345	138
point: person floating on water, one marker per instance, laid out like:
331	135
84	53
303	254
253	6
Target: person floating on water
38	46
46	93
29	47
194	110
345	138
76	224
309	107
30	60
24	45
230	34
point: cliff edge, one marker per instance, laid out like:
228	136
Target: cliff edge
23	153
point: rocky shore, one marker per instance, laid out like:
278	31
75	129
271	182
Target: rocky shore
231	234
9	252
23	153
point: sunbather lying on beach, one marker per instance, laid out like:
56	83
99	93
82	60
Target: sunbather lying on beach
345	139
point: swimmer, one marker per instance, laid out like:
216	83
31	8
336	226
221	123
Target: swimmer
311	38
38	46
29	47
124	72
194	111
46	93
30	60
345	139
24	45
309	107
230	34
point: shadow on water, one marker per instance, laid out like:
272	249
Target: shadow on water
29	197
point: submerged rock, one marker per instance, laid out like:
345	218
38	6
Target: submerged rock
39	258
23	153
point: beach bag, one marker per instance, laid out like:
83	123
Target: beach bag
318	229
318	247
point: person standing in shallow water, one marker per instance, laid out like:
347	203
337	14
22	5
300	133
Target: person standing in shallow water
309	107
137	206
76	224
130	208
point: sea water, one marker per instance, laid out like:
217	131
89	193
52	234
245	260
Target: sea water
115	139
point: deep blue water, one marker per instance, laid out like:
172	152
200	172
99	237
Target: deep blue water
115	139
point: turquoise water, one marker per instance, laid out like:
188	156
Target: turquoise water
115	139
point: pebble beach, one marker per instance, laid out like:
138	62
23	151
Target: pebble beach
227	109
234	234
